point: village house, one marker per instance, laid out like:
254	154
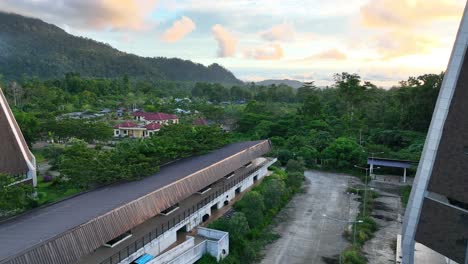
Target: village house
158	118
130	129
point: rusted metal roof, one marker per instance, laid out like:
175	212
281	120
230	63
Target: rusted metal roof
66	231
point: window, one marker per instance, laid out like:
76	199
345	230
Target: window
230	175
170	210
117	132
114	242
465	150
125	132
204	190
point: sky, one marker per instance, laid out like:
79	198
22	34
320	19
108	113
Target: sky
384	41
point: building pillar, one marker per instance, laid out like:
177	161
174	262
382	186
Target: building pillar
404	175
371	171
466	253
407	249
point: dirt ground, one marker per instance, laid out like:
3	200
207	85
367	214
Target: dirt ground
388	215
306	235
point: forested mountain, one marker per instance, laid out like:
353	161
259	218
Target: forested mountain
31	47
292	83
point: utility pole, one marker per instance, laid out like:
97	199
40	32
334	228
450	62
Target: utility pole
365	188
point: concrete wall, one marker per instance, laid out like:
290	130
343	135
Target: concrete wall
175	252
154	247
218	245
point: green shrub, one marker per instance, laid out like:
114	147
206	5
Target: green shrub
353	255
405	192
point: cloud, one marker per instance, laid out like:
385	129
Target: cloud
267	52
331	54
280	32
403	13
400	43
179	30
227	43
86	14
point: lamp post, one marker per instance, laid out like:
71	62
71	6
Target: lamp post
365	188
348	222
372	158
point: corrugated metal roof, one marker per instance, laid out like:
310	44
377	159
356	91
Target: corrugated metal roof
65	231
390	163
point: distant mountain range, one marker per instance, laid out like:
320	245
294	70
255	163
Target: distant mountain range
31	47
292	83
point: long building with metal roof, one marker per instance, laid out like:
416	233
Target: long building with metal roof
71	230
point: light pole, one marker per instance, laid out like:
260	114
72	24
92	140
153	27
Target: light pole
372	158
348	222
365	188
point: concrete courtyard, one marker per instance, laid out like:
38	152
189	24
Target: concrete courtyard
306	236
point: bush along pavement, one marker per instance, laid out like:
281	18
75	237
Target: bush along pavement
362	231
250	228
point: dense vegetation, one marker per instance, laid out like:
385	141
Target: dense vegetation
14	198
248	227
331	128
32	47
340	126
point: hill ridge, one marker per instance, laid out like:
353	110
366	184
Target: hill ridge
32	47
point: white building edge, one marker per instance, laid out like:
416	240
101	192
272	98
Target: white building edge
424	172
19	141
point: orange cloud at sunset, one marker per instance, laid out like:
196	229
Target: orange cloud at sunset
331	54
267	52
179	30
280	32
121	14
396	13
399	44
227	43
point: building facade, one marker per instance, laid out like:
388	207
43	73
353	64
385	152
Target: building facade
15	157
153	220
130	129
437	211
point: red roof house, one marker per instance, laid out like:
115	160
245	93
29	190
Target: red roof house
161	118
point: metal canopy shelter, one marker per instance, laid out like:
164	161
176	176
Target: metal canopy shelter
392	163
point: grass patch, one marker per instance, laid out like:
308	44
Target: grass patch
39	155
49	192
405	192
363	231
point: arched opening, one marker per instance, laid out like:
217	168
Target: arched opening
226	203
205	217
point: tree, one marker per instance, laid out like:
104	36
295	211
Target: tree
295	166
253	206
295	179
273	192
14	198
312	106
344	153
29	125
349	86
